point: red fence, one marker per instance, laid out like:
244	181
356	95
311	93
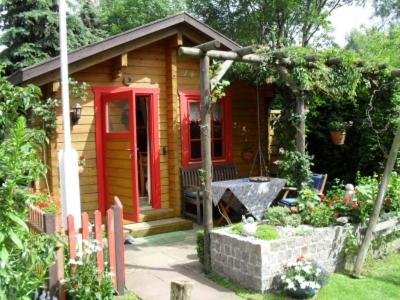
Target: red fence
47	223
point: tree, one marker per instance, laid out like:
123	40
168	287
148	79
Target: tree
122	15
275	23
90	16
376	46
31	32
388	10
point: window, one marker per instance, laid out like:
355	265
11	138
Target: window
221	148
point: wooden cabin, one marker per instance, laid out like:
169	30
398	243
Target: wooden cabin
139	125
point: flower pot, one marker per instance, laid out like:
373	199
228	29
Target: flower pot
247	155
81	169
301	293
338	137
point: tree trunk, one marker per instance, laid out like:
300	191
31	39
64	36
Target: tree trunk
301	127
205	111
362	252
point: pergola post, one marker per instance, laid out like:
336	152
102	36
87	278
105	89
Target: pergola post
205	112
301	126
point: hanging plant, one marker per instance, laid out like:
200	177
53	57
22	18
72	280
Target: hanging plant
338	131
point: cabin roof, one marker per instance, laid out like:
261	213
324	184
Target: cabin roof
118	44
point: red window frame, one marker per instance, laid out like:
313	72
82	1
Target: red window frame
188	96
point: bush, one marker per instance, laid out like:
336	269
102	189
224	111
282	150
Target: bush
200	245
295	168
281	216
321	216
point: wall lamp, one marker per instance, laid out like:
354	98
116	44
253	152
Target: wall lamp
76	113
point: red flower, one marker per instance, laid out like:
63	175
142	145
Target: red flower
300	258
337	214
330	203
346	200
388	201
355	205
335	197
323	197
42	204
81	157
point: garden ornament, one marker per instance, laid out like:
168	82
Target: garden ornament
349	191
249	226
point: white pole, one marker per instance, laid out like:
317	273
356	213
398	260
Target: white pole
68	158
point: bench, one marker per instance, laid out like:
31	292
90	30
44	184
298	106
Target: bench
192	194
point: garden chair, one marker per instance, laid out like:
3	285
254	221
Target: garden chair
318	182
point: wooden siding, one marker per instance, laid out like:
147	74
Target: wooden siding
155	66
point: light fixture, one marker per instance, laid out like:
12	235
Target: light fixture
76	113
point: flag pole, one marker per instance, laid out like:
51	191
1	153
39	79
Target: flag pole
68	157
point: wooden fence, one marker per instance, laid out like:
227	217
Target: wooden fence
50	224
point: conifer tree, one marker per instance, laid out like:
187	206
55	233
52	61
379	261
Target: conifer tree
31	32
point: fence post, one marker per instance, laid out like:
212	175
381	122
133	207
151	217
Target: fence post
119	246
49	222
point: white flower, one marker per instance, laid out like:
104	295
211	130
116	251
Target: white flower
283	277
299	278
72	261
302	285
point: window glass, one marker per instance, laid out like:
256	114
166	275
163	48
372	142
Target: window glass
118	116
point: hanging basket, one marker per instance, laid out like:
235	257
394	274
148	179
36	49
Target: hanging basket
338	137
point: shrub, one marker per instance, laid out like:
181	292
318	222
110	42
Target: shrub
295	168
321	216
200	245
281	216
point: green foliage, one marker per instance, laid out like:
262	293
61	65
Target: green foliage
31	32
263	232
82	279
275	23
295	168
321	216
307	201
281	216
24	256
122	15
200	245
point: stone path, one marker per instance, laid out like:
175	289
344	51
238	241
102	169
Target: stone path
154	261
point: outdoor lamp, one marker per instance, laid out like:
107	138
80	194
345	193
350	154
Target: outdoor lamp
76	113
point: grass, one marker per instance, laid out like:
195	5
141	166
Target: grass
381	281
264	232
128	296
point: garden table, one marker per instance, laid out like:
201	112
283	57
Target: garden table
256	197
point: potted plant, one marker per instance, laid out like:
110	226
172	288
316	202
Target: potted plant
81	164
303	279
338	131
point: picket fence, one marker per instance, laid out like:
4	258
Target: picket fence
40	221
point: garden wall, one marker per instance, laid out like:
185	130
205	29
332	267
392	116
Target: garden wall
255	264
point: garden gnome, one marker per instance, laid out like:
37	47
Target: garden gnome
349	191
249	227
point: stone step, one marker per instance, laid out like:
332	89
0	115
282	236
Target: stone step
157	226
156	214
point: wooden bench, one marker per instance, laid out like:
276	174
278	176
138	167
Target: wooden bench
192	194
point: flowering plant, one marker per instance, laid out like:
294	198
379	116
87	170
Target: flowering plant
340	125
82	277
305	276
82	161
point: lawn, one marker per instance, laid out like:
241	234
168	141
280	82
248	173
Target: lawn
381	281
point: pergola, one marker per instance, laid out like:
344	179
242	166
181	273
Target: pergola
246	54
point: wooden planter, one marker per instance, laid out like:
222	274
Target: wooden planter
338	137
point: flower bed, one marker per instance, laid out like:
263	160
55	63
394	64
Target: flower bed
257	264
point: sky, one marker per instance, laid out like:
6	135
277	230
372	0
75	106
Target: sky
347	18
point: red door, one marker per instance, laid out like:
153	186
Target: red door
119	146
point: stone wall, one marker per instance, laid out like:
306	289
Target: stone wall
255	264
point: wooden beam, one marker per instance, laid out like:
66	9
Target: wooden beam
223	55
245	50
124	60
221	72
211	45
55	87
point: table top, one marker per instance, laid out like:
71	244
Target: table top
255	196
